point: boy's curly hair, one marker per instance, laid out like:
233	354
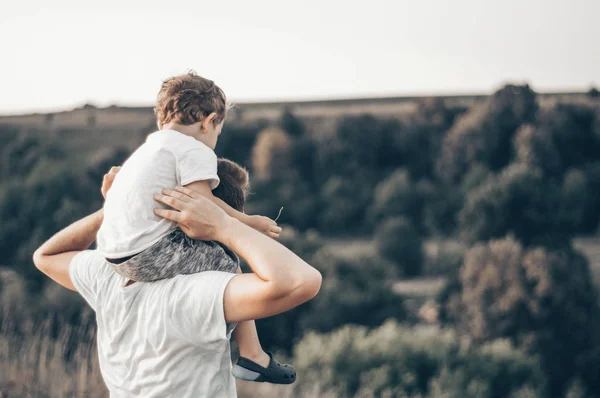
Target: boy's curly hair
188	99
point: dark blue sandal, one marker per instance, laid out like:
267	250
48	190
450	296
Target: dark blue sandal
275	373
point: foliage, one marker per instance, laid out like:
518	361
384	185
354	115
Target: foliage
484	134
542	300
398	241
397	361
354	291
518	201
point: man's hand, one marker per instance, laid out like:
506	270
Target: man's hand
108	180
264	225
196	215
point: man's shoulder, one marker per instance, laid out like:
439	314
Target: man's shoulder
201	288
205	278
90	266
89	272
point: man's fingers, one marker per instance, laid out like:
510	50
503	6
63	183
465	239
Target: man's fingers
114	169
170	201
168	214
188	192
273	235
175	194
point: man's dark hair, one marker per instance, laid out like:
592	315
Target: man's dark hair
235	184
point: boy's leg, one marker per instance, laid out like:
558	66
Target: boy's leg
177	254
246	337
248	343
254	363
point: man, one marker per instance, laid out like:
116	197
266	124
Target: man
171	337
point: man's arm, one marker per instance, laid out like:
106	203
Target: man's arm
281	280
54	257
260	223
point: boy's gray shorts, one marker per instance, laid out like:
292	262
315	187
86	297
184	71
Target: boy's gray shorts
176	254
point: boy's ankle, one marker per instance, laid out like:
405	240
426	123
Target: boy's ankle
260	357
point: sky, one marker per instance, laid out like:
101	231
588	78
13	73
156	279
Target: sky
64	53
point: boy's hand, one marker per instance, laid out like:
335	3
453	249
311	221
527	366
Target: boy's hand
264	225
108	180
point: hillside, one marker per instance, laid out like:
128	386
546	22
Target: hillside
143	118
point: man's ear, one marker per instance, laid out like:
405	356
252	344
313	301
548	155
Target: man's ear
207	121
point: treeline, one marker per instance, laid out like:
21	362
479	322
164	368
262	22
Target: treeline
513	180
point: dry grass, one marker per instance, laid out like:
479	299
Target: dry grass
36	365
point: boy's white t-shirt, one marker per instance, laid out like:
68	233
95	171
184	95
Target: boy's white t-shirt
160	339
167	159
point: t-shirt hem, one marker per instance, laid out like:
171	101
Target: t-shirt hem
137	250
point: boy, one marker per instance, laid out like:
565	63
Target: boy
143	247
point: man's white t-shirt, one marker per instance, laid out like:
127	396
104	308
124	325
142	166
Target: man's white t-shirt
167	159
160	339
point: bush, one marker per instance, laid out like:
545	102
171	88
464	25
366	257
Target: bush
542	300
484	135
359	143
393	360
399	242
357	291
271	155
518	201
443	258
535	147
344	203
571	127
397	195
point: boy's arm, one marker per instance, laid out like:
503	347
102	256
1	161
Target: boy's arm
259	223
281	280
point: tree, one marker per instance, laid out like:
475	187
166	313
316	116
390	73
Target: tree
543	300
291	124
571	128
354	291
271	155
535	147
359	144
344	202
397	361
518	201
484	134
398	241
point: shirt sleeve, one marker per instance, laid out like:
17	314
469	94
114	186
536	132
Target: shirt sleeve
88	271
198	164
196	307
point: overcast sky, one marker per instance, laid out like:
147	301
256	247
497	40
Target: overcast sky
63	53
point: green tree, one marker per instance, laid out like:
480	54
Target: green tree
397	361
399	242
518	201
354	291
542	300
484	134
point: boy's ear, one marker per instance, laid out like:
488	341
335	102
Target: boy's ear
207	121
